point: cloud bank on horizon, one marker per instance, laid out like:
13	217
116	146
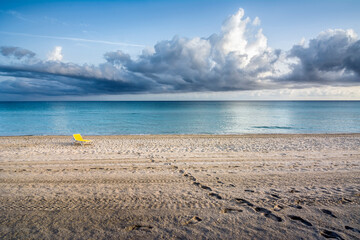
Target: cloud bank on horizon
238	58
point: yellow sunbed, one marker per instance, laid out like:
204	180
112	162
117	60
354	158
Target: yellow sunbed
77	138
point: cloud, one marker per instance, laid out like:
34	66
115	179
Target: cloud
117	58
56	55
332	58
58	78
257	21
235	59
16	52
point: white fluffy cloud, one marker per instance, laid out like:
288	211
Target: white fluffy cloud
237	58
56	55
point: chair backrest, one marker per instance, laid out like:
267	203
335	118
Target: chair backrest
77	137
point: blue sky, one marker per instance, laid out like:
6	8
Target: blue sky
83	32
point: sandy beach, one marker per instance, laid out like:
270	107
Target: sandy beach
181	187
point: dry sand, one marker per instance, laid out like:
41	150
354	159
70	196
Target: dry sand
181	187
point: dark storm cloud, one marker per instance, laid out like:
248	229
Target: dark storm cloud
352	60
331	58
61	78
237	58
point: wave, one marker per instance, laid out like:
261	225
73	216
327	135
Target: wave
273	127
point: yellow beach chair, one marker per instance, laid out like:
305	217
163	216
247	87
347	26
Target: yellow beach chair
77	138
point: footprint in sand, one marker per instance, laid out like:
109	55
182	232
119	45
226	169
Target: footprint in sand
278	207
275	196
297	218
192	178
330	234
205	187
138	227
294	191
215	195
345	200
193	220
328	212
352	229
188	175
296	206
268	214
243	201
196	183
229	210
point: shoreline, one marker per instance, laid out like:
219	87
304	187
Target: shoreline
200	135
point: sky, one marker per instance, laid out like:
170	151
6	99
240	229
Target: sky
180	50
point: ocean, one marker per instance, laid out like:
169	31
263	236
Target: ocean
190	117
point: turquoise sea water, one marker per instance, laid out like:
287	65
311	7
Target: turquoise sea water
112	118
